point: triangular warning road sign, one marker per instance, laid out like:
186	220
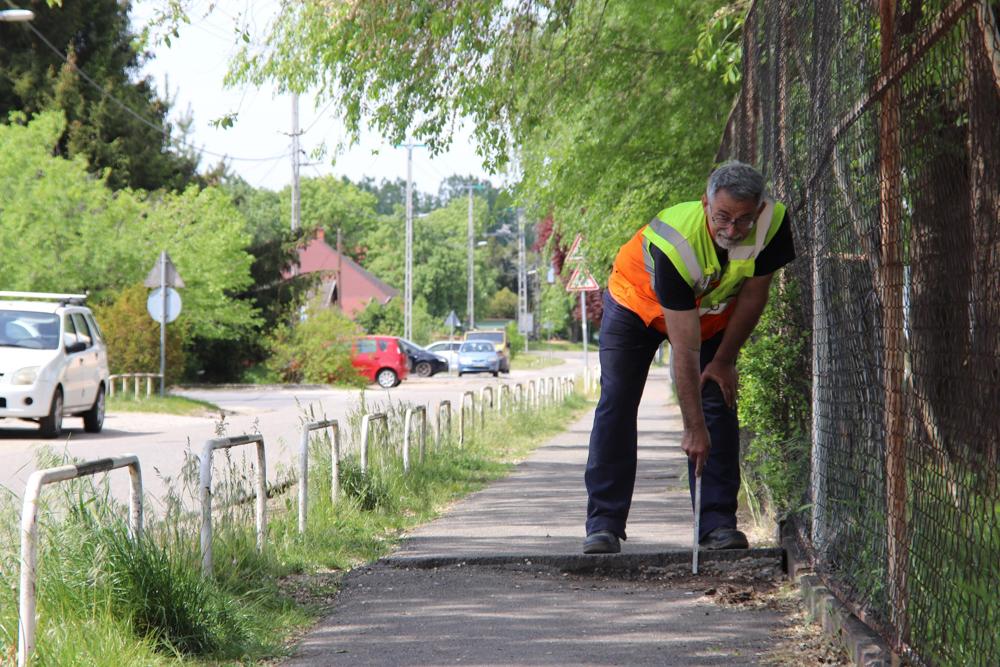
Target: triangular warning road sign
575	253
582	281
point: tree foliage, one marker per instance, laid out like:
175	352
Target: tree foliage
317	349
117	123
599	104
62	230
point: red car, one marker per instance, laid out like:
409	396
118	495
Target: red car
381	359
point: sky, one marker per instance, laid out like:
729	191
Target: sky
191	73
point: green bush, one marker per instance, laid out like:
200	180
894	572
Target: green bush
774	377
515	339
133	337
317	349
502	305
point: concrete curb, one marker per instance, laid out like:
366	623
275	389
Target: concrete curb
583	563
863	645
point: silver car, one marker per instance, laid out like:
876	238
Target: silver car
53	361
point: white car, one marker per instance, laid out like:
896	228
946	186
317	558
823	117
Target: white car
53	361
447	349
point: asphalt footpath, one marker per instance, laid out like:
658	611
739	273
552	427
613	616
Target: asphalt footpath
500	579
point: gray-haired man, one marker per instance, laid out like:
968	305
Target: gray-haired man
699	273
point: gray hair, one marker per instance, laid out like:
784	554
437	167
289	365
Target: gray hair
739	179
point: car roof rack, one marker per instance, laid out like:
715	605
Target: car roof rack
64	299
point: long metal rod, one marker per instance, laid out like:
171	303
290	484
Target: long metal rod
697	524
296	201
471	289
28	594
408	269
163	322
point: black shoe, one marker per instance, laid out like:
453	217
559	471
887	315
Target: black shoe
724	538
602	542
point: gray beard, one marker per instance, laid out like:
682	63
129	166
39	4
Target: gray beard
725	243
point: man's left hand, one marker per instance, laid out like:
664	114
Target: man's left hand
722	373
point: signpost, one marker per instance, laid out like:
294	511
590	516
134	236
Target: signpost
164	304
581	281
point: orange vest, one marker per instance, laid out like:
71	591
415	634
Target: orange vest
631	287
682	232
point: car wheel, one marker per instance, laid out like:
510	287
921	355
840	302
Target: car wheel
460	374
423	369
387	378
93	419
496	373
50	426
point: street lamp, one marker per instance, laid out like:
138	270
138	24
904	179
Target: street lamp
16	15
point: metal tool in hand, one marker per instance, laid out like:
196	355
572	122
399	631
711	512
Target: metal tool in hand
697	524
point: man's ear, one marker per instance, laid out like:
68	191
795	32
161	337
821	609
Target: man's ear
760	209
704	199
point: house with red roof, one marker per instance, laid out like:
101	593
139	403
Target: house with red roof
342	281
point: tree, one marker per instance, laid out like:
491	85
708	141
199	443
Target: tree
62	230
118	124
600	104
439	256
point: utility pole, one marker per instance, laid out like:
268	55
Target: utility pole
522	278
296	205
470	304
408	282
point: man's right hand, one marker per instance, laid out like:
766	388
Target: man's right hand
696	442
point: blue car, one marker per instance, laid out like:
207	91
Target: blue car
478	357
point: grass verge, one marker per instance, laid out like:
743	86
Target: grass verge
528	361
170	405
105	599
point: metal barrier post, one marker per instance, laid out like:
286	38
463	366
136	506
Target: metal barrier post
406	435
206	493
518	396
482	404
441	405
461	415
531	395
111	385
29	533
149	386
304	464
365	421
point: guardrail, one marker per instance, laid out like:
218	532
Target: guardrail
519	398
29	533
406	435
441	405
482	404
206	493
135	377
308	428
366	431
461	415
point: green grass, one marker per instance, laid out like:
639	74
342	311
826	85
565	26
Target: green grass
557	345
106	600
171	405
528	361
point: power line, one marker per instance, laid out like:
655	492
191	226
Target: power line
127	109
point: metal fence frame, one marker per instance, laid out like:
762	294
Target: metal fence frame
29	533
406	435
441	405
366	431
307	428
482	404
125	377
461	415
205	478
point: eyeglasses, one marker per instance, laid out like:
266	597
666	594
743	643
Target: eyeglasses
725	222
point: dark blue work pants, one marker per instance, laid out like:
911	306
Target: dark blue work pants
627	347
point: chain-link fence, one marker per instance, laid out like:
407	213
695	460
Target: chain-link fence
879	124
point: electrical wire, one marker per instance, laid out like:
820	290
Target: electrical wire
127	109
